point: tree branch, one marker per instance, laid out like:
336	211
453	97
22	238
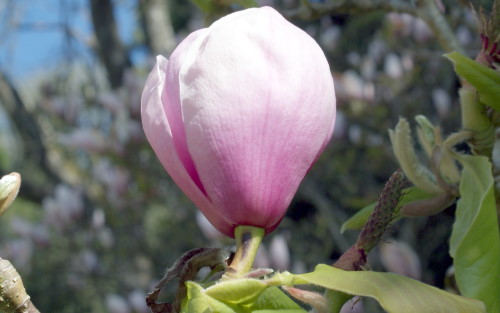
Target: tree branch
157	26
426	10
313	10
13	296
111	51
34	151
429	12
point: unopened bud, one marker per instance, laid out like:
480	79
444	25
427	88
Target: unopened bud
9	187
426	133
404	151
314	299
427	207
383	213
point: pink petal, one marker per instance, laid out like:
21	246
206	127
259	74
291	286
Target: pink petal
159	134
257	111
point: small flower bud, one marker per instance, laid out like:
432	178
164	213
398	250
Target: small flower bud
9	187
383	213
427	207
403	149
426	133
314	299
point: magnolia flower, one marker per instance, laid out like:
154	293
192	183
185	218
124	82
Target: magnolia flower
239	114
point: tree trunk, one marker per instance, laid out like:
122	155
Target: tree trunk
111	51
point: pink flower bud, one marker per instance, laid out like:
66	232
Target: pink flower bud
239	114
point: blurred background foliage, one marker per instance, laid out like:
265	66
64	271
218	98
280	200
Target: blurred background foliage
98	220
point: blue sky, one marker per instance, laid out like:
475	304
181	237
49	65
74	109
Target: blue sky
39	44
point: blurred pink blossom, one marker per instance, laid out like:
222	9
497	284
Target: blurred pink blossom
115	179
117	304
262	258
111	102
63	208
85	138
207	228
442	101
136	301
355	305
398	257
392	66
279	253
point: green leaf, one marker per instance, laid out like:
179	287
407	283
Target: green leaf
395	293
475	238
484	79
358	220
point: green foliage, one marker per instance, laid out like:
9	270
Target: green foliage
359	219
484	79
475	240
395	293
245	295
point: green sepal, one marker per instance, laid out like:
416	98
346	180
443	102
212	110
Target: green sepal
197	301
238	290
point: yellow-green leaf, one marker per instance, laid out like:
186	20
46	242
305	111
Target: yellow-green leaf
395	293
475	238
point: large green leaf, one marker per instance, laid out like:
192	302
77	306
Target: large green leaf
484	79
475	238
358	220
395	293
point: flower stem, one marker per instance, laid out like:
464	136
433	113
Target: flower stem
248	239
